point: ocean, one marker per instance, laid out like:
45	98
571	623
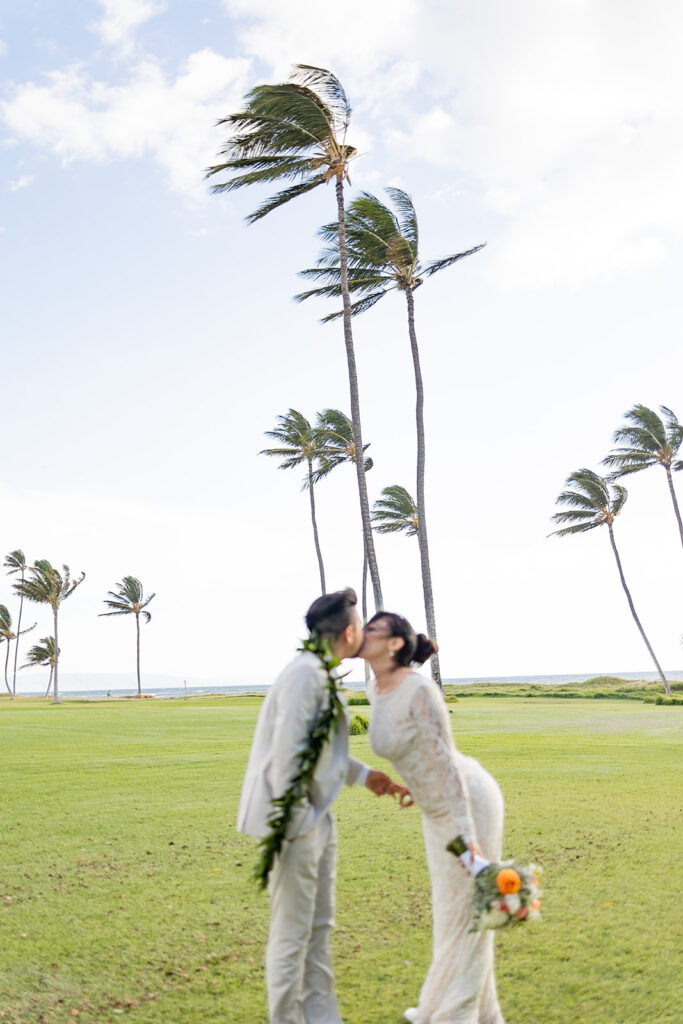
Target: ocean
176	692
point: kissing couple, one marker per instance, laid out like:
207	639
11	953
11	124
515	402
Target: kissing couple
298	763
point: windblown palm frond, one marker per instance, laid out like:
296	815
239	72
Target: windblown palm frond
128	599
395	512
46	585
647	440
592	501
334	435
43	653
292	131
299	444
15	562
382	252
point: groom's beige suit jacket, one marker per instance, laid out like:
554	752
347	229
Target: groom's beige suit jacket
294	700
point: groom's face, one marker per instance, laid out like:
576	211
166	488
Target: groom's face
356	636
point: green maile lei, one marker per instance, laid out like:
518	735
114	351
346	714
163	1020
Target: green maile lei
326	722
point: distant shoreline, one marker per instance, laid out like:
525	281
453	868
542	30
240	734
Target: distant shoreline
177	692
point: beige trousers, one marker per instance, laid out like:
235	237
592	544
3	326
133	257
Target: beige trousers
298	956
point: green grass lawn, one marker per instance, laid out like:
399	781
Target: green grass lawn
126	892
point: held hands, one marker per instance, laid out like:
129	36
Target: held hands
381	785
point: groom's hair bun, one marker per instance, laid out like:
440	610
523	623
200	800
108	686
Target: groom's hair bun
330	614
425	648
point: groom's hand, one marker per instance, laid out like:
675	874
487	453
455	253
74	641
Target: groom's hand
379	783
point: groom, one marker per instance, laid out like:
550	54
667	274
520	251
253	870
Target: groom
301	885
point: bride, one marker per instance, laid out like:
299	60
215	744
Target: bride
410	727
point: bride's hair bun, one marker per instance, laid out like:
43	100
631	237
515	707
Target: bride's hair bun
424	649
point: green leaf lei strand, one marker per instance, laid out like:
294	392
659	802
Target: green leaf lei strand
307	759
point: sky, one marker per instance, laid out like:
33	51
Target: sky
149	337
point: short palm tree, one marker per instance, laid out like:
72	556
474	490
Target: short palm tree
593	501
43	653
649	440
383	257
296	131
395	512
336	447
7	635
128	599
298	444
46	585
16	562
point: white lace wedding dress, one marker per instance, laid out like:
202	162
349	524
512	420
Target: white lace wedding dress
410	727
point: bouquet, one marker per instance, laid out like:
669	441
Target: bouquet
505	894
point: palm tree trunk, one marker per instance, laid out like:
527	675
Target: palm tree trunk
16	649
315	528
9	688
421	513
673	498
49	685
56	672
355	401
364	605
667	688
137	626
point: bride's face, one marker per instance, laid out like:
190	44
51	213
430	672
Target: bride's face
378	642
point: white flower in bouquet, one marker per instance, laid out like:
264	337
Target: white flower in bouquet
493	918
513	902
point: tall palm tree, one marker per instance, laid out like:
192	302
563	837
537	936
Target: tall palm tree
383	256
296	131
593	501
46	585
43	653
8	635
16	562
649	441
334	431
299	444
128	599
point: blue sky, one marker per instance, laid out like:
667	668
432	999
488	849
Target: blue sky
150	339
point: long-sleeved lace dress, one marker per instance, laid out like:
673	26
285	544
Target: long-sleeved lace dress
410	727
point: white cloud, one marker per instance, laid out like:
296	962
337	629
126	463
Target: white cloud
365	35
23	182
171	120
122	18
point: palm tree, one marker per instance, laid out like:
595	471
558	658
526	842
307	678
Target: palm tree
334	431
396	512
7	635
299	444
594	501
649	441
128	599
383	256
46	585
16	562
44	653
296	131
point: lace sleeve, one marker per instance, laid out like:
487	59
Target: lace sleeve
434	746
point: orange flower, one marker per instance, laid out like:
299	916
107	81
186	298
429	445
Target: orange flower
508	881
535	904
